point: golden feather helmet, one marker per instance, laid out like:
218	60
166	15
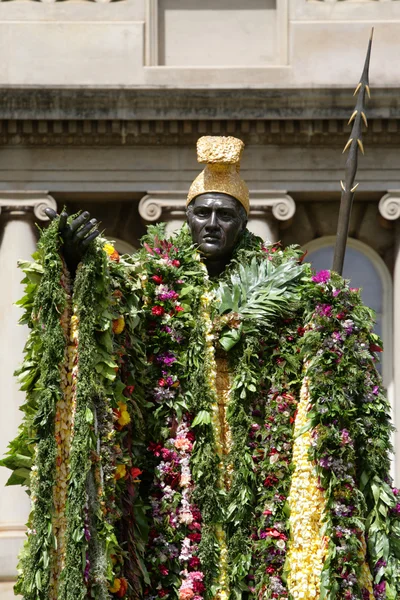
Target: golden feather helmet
221	173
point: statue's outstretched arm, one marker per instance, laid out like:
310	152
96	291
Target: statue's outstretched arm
77	236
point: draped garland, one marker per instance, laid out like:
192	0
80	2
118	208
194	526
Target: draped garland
194	438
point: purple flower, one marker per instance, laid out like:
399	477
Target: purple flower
381	563
348	326
396	509
380	590
170	295
375	390
87	569
345	437
321	277
166	358
324	310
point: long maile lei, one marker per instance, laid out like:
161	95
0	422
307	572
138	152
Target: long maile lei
78	444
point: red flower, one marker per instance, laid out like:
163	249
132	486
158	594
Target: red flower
198	587
155	448
270	480
179	308
375	348
162	382
157	279
274	533
158	311
176	263
162	593
163	570
194	537
128	391
123	589
270	570
135	472
194	563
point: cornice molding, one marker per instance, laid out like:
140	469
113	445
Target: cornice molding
154	204
304	132
17	202
138	103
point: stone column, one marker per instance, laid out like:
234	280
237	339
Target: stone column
389	208
18	237
267	208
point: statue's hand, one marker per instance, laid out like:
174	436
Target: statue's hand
77	236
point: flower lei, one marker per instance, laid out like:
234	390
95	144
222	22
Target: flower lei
175	554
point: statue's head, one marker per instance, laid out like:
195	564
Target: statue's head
218	199
216	221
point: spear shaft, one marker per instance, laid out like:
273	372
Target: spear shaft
354	144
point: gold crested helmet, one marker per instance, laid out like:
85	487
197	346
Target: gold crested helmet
221	173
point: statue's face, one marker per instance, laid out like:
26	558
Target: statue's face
216	222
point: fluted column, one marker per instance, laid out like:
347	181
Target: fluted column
18	235
267	208
389	208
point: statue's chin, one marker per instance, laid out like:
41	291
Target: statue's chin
211	249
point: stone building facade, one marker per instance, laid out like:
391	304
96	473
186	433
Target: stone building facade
101	104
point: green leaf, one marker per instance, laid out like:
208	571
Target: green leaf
88	415
203	417
19	477
38	580
230	338
16	460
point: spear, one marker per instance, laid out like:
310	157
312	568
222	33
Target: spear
354	144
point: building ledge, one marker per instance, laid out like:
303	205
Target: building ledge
69	103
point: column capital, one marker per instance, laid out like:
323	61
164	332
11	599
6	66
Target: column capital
389	205
15	202
278	203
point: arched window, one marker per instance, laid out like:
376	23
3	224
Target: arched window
366	270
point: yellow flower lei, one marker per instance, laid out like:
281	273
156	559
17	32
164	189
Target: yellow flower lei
211	366
307	503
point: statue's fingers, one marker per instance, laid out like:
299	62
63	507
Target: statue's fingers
63	221
82	233
79	221
85	243
52	214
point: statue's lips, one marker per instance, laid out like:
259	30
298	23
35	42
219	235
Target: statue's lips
211	239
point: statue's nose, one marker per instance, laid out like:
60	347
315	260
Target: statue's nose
213	221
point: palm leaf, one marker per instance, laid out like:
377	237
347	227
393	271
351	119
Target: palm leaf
261	291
